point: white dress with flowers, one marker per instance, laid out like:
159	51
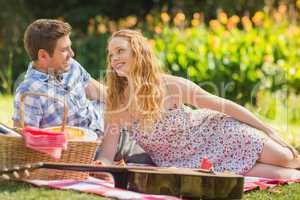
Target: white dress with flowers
183	137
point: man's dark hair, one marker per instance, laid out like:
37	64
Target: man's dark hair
43	34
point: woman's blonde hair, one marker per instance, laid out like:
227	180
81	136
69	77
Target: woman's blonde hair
145	77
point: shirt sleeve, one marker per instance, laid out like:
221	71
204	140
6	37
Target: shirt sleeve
32	110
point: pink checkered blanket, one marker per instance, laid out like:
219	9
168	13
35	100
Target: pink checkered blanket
106	189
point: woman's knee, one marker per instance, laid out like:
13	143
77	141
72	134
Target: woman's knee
273	153
287	156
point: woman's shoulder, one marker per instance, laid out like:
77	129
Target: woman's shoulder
168	78
174	81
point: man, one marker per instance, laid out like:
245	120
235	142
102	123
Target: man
54	72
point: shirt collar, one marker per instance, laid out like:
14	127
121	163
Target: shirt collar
44	77
35	74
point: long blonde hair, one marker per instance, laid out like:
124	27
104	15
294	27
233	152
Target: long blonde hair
145	75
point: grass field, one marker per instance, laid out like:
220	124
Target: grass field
16	190
6	109
23	191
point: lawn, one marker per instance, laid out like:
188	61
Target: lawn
6	108
15	190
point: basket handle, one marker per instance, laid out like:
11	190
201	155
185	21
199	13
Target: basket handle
64	122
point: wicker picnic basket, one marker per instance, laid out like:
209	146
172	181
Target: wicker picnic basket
14	152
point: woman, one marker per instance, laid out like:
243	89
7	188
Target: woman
150	105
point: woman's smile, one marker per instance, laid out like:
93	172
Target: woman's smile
118	65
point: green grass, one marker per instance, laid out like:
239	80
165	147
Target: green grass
16	190
287	192
6	110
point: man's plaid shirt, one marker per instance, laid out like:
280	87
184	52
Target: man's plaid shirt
44	112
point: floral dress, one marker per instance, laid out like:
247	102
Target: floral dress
183	137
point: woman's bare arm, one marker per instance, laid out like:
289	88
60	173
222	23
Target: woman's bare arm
110	143
192	94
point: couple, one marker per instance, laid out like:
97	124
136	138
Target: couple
149	106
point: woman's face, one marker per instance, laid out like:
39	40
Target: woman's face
120	56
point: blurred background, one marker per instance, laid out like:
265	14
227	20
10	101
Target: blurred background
246	51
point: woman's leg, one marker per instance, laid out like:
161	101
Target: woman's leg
275	154
272	171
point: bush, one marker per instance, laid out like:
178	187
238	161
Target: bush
230	56
231	62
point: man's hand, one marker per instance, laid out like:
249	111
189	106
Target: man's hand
95	90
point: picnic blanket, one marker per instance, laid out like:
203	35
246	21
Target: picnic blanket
107	189
252	183
99	187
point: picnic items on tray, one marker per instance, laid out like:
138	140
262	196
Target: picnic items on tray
181	182
80	149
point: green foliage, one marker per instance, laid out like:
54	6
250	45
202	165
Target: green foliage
91	52
279	107
229	56
233	63
6	75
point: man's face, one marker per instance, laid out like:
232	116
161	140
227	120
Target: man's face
59	62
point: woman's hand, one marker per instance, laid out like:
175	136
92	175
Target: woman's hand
121	163
274	136
101	175
98	162
102	162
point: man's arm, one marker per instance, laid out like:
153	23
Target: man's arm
95	90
